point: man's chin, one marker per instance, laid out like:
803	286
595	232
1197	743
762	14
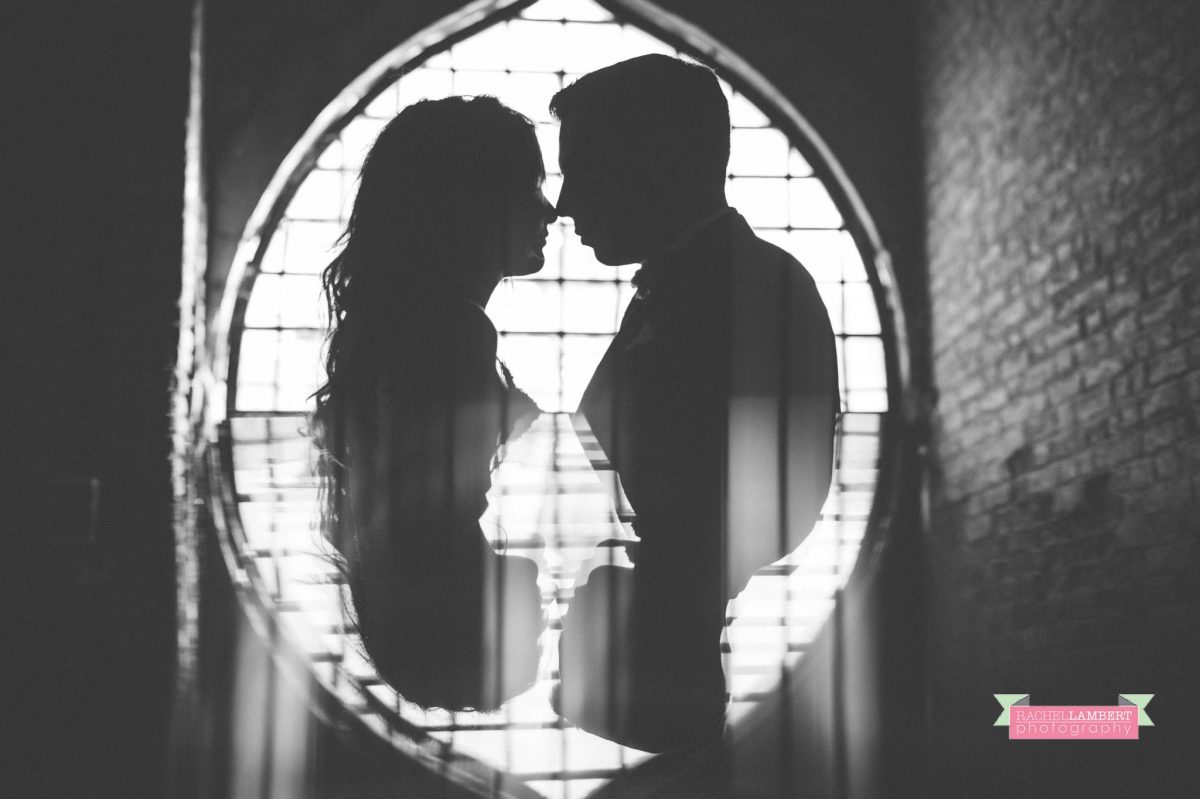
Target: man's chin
611	258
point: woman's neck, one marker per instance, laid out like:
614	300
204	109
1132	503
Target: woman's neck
481	293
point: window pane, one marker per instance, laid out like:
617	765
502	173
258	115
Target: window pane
278	369
635	43
423	83
864	363
253	396
590	307
860	312
534	361
566	9
820	252
318	197
797	166
547	135
332	157
758	151
811	205
262	310
257	387
852	262
535	46
308	247
476	82
302	304
867	401
528	305
585	47
484	50
763	201
743	113
439	61
257	356
385	103
530	93
357	138
300	367
581	355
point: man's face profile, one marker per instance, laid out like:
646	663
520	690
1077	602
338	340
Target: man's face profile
600	195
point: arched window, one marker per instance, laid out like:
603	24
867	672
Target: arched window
554	327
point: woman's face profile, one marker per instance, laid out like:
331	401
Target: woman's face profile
529	217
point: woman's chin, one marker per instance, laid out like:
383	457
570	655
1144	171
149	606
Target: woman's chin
530	266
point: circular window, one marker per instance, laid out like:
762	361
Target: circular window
554	326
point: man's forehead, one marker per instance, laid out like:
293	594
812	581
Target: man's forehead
572	137
581	143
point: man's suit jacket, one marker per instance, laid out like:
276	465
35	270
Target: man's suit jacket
715	404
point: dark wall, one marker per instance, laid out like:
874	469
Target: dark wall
94	128
1063	199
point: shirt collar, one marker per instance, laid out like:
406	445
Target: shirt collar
653	267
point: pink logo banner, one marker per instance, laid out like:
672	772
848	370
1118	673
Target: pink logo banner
1029	722
1074	722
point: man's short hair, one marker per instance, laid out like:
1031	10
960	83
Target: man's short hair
656	112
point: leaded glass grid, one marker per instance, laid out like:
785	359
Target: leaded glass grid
554	327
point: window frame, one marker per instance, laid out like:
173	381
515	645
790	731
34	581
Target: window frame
676	32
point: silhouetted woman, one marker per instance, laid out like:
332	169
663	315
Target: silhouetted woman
417	406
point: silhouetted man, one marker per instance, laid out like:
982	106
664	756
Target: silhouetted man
715	402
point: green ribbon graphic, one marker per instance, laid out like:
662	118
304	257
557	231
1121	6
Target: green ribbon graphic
1006	701
1139	701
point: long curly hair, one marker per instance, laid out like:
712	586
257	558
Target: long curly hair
414	233
438	175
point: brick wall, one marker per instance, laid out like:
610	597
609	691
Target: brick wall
1062	145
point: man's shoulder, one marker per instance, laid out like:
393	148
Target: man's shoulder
730	256
763	267
752	252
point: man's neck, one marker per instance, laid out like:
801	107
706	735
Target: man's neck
677	235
